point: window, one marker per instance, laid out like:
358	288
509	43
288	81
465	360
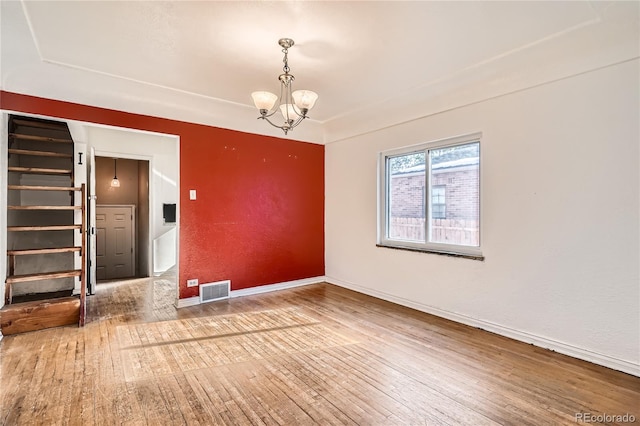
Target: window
438	202
430	197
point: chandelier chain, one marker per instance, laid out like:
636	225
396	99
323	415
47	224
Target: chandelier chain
286	68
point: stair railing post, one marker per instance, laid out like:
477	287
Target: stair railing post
83	253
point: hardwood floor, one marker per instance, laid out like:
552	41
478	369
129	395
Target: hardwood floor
317	354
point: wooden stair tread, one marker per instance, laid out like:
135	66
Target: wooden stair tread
39	138
43	228
39	170
43	251
34	303
39	153
43	188
39	314
43	276
44	207
39	124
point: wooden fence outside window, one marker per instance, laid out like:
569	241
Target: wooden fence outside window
449	231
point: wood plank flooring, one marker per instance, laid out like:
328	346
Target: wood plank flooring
317	354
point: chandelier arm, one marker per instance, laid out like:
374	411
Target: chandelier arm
285	90
300	118
298	111
285	128
274	110
274	125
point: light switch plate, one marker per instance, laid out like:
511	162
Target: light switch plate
192	194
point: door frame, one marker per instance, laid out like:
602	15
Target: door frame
147	245
90	242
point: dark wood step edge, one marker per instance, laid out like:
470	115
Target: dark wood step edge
60	126
37	303
38	138
11	279
44	207
38	170
42	188
43	276
43	228
39	153
50	250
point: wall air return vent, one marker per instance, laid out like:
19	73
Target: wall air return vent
215	291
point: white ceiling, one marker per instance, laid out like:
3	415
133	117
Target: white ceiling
374	64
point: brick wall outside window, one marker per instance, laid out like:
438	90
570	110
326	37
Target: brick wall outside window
461	193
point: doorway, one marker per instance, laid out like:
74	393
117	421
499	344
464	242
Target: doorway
122	248
157	159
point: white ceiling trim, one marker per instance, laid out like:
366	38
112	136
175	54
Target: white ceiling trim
586	36
562	55
118	76
475	66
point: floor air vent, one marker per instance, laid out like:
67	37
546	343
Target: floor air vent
215	291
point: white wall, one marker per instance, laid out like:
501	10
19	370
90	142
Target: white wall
162	153
560	212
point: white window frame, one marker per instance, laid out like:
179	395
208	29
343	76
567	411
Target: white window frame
383	199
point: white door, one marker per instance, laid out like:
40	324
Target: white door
115	231
91	210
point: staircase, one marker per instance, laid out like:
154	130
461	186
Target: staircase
43	226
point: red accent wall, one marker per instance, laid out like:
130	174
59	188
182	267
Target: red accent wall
259	214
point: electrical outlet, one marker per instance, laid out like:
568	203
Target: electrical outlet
192	283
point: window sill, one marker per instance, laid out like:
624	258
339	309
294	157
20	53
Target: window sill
439	252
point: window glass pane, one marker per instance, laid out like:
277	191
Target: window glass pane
455	195
406	192
438	202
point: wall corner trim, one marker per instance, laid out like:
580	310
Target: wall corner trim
543	342
192	301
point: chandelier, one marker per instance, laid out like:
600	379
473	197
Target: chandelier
293	105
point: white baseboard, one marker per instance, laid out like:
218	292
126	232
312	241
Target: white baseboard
189	301
278	286
543	342
195	300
